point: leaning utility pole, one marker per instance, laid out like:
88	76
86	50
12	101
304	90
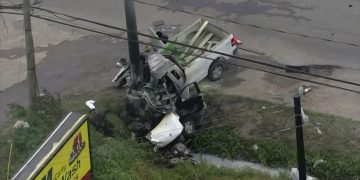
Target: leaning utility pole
30	57
135	105
133	44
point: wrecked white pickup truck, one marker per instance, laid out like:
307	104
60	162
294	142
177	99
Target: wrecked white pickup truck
174	105
201	34
173	108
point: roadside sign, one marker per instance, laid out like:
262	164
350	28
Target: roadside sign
64	155
72	161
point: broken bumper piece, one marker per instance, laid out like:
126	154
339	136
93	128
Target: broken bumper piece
166	131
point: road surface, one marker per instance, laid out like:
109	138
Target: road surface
74	61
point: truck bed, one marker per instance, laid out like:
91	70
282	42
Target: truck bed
208	38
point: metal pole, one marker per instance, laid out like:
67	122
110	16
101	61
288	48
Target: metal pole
134	52
30	57
299	138
8	168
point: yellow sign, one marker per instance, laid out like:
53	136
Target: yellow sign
72	161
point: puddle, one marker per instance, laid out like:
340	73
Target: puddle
76	66
284	82
323	70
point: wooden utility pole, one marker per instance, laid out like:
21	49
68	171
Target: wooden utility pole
133	43
30	57
135	104
299	138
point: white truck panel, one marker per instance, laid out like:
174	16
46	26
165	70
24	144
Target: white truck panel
198	68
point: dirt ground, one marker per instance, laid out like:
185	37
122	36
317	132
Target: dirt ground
255	119
276	89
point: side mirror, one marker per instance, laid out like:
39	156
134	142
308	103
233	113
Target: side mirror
90	104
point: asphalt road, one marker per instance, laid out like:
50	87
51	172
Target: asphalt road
73	61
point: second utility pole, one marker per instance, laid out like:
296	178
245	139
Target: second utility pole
30	57
299	138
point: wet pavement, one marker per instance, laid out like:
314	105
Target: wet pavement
73	61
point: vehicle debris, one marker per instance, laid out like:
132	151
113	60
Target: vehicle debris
166	131
318	130
294	174
172	99
170	103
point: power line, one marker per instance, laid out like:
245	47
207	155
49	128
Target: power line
246	24
204	49
230	122
149	44
13	6
231	118
231	141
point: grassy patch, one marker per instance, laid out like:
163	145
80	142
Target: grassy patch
250	123
25	141
245	128
225	143
121	158
113	158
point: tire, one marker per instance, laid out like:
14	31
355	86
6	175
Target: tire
216	70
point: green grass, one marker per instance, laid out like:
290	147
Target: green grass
113	158
240	124
248	122
121	158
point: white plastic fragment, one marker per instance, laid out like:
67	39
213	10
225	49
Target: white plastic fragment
90	104
304	116
318	130
166	131
294	175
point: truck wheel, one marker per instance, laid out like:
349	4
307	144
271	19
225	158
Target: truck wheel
215	71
